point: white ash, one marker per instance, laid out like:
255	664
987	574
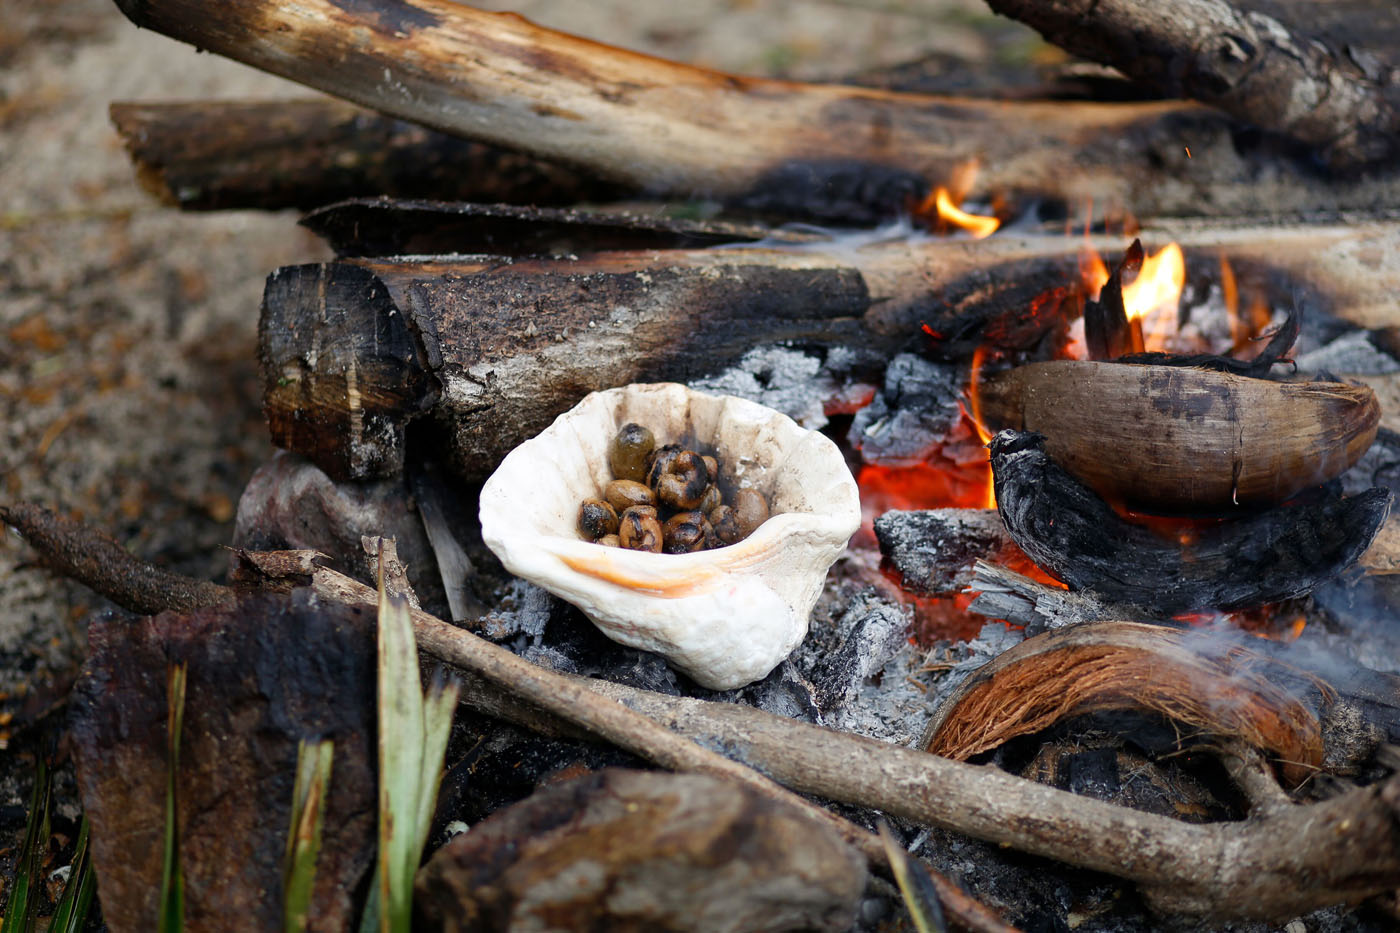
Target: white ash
1349	353
911	415
524	610
795	383
858	667
966	657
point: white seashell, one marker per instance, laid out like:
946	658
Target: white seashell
726	616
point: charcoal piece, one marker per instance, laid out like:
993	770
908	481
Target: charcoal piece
290	504
934	551
910	417
643	850
1266	557
1107	330
263	673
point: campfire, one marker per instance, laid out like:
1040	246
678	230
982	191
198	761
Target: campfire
1121	595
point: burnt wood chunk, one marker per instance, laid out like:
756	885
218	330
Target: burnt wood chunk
344	372
262	674
277	154
935	551
679	131
644	850
1262	558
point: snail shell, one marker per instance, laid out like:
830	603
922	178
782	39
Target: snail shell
1172	438
726	616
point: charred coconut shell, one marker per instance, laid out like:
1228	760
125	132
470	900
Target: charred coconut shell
1173	439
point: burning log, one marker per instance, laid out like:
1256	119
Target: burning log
275	154
1184	439
1125	665
492	350
1262	558
840	152
1341	98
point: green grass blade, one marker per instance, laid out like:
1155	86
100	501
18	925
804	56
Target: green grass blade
76	900
438	708
914	886
172	885
22	909
304	836
413	734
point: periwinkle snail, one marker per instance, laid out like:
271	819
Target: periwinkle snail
666	499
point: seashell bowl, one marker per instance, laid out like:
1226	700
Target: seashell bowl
726	616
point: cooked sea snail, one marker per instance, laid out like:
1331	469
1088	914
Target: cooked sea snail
1170	438
682	490
725	616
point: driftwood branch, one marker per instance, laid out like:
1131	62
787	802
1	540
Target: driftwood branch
1343	102
491	351
274	154
675	130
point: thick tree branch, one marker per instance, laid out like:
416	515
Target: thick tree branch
1248	64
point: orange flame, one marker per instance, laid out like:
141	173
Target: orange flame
976	224
974	413
941	208
1153	297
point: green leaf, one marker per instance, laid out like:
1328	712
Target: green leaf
172	884
304	835
413	734
22	909
915	886
76	900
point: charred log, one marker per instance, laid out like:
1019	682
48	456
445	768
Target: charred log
1262	558
275	154
1271	71
675	130
1107	330
391	227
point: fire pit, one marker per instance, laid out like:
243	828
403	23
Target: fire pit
1121	590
